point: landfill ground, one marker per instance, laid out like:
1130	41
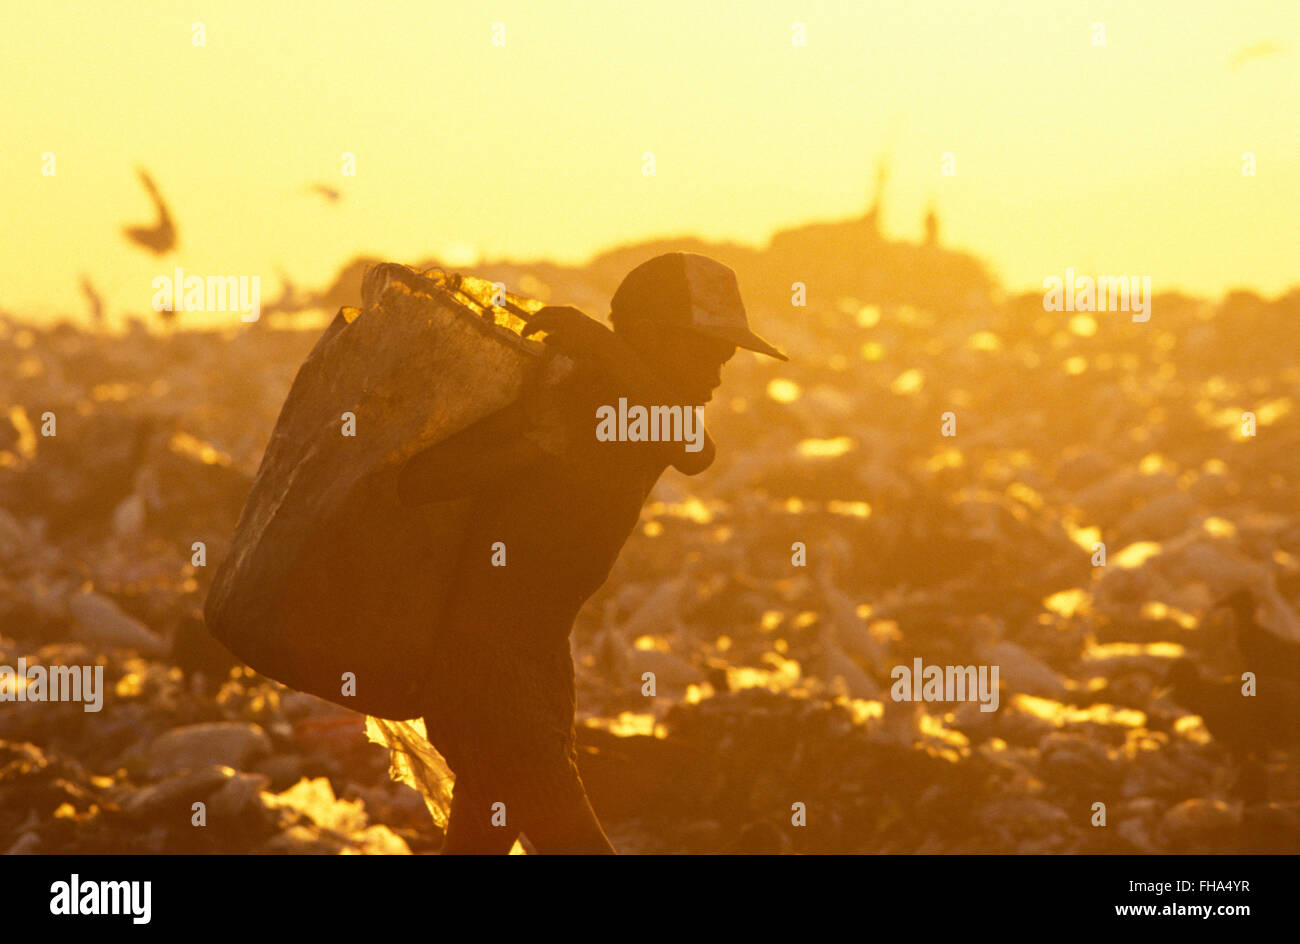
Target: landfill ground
773	680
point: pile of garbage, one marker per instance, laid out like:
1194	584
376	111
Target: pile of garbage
1066	496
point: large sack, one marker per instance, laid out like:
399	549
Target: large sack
328	574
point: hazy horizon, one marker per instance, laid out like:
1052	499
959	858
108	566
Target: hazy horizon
1124	158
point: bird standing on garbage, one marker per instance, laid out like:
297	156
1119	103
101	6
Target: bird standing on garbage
1248	726
1264	652
501	699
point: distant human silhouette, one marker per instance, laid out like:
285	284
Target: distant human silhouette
931	226
161	237
94	300
500	694
872	216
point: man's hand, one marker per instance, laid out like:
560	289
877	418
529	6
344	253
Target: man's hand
571	332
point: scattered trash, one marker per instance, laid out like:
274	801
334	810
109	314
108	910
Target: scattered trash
773	683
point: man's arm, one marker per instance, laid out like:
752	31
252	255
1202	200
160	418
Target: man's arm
469	461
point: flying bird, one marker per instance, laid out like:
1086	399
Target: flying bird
1260	50
290	299
326	191
160	237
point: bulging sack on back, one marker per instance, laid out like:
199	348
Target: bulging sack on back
329	578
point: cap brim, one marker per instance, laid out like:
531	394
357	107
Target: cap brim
742	337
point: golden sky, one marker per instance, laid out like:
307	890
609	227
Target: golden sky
1120	159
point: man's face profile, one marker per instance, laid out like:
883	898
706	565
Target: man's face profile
689	360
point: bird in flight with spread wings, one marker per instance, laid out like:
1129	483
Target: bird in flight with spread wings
160	237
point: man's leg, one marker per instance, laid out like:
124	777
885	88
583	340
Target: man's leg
555	814
504	723
469	821
470	829
549	806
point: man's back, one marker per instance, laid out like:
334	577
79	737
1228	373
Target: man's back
535	550
546	525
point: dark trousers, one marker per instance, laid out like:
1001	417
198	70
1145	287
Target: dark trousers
501	713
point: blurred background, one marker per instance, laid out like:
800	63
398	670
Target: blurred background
920	169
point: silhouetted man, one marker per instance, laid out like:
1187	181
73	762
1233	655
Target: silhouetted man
500	704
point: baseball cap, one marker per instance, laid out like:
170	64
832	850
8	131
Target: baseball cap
691	291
